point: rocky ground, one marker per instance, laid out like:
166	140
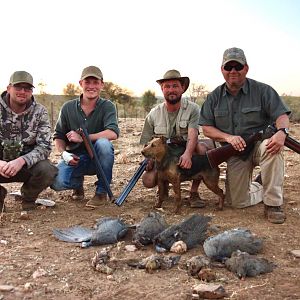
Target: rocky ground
35	265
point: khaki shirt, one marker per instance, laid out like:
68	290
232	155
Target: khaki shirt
157	121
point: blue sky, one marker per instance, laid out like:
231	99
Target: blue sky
134	42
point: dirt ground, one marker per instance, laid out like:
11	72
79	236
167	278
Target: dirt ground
37	266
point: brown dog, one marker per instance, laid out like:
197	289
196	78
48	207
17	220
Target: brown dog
166	158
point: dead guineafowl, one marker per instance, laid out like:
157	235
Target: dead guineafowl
245	265
106	231
221	246
191	231
149	227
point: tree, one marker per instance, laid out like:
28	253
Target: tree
72	90
111	91
148	100
42	87
197	92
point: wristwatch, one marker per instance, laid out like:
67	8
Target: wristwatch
285	130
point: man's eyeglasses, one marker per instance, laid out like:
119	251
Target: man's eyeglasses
20	88
237	67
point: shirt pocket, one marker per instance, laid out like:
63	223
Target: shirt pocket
183	127
160	130
252	116
222	119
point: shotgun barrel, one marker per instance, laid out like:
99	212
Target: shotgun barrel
132	182
91	151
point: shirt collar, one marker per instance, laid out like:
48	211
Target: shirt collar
244	88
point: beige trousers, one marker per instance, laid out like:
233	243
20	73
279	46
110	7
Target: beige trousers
241	192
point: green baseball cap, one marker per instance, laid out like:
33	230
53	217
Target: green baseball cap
174	74
91	71
21	77
234	54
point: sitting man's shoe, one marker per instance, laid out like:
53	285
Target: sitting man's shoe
195	200
258	179
78	194
274	214
3	193
97	200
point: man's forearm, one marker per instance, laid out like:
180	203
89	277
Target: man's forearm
214	133
108	134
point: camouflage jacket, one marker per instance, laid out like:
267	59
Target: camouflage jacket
30	128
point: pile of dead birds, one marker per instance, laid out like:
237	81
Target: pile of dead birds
235	249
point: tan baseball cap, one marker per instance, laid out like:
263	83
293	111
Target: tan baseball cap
174	74
21	77
91	71
234	54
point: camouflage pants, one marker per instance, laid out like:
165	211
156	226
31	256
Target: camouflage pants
36	179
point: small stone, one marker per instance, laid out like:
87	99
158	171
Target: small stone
296	253
3	242
130	248
28	286
104	269
24	215
39	273
209	291
6	288
292	202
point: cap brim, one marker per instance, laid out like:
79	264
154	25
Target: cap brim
17	82
91	75
237	60
186	81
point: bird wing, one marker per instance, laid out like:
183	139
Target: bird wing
75	234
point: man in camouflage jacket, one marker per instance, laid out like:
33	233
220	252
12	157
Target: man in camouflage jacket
25	138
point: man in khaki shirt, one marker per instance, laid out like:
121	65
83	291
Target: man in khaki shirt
175	117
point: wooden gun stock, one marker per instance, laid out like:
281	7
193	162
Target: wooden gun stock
218	155
91	152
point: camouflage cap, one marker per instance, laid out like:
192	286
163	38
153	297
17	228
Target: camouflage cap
234	54
174	74
21	77
91	71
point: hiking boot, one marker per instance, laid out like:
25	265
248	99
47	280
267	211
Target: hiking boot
3	193
195	200
78	194
97	200
274	214
28	205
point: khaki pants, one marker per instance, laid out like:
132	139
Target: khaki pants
241	192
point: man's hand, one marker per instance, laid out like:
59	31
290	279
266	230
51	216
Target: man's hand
70	158
74	137
276	142
11	168
185	161
237	142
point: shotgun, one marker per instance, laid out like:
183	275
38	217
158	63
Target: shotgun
138	173
92	154
218	155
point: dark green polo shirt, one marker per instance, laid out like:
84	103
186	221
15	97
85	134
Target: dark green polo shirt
71	117
255	107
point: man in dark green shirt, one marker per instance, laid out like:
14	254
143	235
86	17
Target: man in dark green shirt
236	109
99	117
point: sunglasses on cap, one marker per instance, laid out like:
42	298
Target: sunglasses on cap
237	67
